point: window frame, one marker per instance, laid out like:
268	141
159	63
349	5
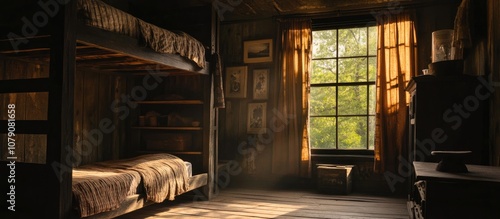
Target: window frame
345	23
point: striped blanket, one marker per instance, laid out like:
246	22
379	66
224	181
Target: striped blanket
102	186
98	14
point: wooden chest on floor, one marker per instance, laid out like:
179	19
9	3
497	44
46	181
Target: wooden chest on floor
334	179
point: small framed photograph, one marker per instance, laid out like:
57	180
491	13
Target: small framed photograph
256	51
260	84
256	122
236	82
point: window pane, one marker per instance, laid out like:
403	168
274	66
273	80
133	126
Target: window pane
324	44
352	100
352	70
371	133
322	101
373	100
324	71
353	132
353	42
372	68
323	132
372	41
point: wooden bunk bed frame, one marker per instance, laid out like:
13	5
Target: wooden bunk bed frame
107	51
67	46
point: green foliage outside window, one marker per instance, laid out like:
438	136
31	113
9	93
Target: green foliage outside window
342	103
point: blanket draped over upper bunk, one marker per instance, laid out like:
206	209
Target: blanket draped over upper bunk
102	186
98	14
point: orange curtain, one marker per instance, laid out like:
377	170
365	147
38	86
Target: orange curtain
291	152
396	63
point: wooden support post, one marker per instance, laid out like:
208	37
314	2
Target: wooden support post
60	116
209	151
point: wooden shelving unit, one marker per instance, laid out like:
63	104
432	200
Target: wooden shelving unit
176	102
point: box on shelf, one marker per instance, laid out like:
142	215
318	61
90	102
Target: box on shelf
175	119
168	141
334	179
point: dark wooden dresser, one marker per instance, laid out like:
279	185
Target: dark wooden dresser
475	194
448	113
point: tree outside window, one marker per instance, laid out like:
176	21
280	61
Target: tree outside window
342	102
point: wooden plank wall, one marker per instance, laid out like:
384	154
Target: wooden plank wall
233	119
94	95
481	59
36	108
29	106
119	138
232	126
494	68
429	19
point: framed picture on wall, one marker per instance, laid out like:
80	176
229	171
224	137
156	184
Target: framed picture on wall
260	88
236	82
256	120
256	51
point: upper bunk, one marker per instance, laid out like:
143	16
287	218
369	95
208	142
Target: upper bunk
112	40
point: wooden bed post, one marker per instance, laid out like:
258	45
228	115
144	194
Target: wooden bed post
60	115
214	117
210	152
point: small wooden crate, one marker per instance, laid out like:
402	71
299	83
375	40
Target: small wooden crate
334	179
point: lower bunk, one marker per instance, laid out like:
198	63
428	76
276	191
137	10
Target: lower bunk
112	188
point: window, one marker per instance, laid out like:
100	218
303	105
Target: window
342	101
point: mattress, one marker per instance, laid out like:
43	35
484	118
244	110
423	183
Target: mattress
90	180
103	186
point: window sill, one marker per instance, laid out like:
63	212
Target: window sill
350	156
330	153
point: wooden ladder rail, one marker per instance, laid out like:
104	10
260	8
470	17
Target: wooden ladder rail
44	190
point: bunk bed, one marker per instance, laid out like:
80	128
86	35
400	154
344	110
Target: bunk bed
110	40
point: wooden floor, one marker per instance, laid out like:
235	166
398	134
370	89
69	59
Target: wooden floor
263	203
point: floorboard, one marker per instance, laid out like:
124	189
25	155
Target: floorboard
285	203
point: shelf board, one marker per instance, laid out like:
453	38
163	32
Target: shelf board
172	152
173	102
168	128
